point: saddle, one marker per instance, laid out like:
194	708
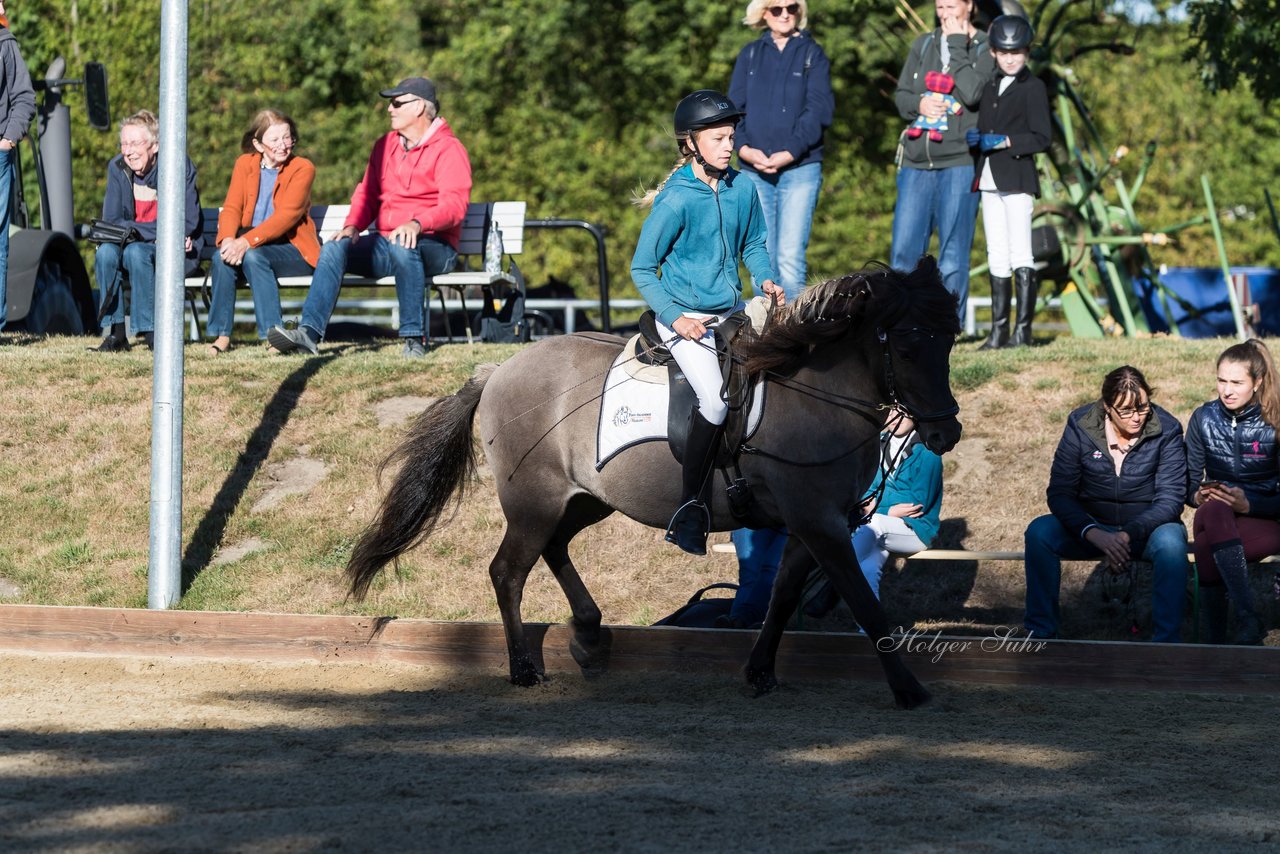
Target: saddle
736	388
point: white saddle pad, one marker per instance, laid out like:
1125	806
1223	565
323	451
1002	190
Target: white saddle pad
634	404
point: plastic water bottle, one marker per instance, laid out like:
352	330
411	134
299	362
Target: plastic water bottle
493	250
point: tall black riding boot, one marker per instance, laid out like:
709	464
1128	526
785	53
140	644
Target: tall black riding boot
689	526
1001	297
1024	280
1213	614
1235	574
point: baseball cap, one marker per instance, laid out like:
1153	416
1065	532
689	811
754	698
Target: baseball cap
419	87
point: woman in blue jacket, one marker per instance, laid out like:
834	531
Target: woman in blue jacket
782	81
1115	492
704	219
1234	484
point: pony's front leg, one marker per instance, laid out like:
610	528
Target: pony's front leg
508	571
839	561
788	588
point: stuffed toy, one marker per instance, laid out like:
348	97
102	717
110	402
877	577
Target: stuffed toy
940	84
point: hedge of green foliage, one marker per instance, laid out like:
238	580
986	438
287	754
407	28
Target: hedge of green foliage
567	104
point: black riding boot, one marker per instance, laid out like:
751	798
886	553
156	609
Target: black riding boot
1235	574
1213	614
1001	297
1024	280
689	526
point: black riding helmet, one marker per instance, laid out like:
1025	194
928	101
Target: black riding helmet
1009	32
704	108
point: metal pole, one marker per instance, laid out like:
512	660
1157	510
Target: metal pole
164	576
1237	314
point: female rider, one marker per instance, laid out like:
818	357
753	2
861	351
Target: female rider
704	219
1233	475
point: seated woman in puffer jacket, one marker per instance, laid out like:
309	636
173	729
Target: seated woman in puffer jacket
1115	492
1233	481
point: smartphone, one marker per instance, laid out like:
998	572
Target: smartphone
1211	484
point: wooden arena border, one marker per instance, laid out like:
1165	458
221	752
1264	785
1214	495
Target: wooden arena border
803	656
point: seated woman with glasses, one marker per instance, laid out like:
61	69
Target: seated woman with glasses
1233	477
1115	492
265	230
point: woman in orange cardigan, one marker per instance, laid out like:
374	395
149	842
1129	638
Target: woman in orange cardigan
265	230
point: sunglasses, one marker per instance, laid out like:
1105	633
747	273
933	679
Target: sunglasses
400	104
792	10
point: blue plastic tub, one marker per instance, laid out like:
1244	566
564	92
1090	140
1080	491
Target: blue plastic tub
1204	290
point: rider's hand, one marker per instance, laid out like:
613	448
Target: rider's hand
689	327
774	290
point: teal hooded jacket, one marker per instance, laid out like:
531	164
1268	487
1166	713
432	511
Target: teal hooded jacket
689	248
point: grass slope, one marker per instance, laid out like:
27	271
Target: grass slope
75	476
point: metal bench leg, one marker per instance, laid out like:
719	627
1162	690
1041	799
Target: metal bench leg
466	318
1195	603
444	312
195	317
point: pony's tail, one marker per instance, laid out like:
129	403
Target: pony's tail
438	458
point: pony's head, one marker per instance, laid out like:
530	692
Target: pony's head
911	317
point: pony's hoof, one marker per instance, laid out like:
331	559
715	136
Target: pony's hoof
911	698
761	682
525	674
592	658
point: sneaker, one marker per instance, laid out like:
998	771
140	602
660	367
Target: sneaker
111	344
413	349
148	338
288	340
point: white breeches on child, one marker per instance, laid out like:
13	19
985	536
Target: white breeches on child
876	540
1006	220
701	366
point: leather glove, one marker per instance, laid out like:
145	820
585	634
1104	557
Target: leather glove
972	137
993	141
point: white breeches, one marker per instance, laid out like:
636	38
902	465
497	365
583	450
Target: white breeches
876	540
701	367
1006	220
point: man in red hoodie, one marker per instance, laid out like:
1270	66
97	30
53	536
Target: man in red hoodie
415	190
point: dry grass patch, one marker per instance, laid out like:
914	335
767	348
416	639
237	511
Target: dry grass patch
76	458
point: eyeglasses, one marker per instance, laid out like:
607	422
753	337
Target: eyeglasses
127	146
792	10
1126	414
283	141
400	104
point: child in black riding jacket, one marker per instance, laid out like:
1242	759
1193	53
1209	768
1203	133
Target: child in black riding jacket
1013	125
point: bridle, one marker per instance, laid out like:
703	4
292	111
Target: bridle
892	386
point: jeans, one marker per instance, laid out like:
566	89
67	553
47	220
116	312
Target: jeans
941	199
759	553
788	199
262	268
374	256
139	264
1048	543
6	186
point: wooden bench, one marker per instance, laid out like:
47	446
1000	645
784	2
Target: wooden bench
508	217
1018	556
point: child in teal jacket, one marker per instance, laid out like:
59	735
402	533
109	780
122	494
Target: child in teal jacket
705	218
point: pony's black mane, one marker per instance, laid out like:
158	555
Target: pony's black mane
877	295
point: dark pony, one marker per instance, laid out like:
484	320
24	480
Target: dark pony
836	361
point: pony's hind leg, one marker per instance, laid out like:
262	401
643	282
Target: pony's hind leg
509	570
589	645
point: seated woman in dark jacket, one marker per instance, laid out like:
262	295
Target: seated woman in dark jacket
1233	475
1115	492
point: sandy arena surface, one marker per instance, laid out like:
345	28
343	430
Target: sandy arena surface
134	754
